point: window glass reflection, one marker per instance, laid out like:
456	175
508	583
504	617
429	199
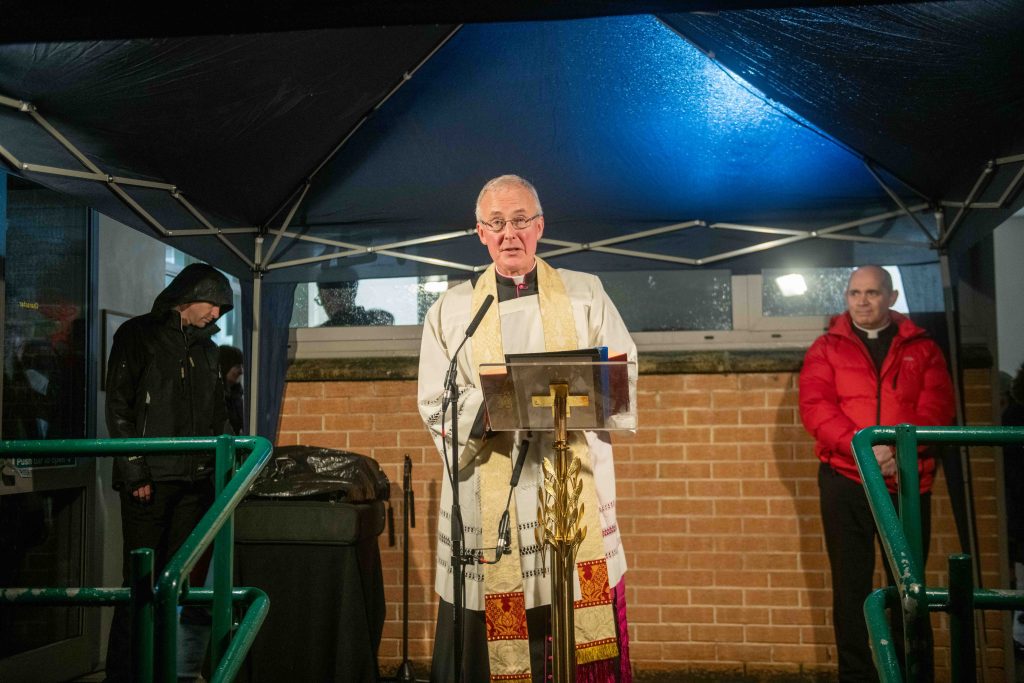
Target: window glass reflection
647	300
367	302
664	300
822	291
45	321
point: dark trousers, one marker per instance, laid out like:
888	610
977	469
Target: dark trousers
850	541
162	524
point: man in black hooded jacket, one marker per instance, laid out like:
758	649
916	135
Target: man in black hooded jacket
163	379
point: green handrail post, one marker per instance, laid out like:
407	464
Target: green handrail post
169	587
883	651
914	603
909	485
223	556
153	601
141	609
903	542
906	564
961	619
257	606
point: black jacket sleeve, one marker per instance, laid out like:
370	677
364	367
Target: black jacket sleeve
221	417
125	408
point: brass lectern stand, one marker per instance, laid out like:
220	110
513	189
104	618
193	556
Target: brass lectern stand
559	396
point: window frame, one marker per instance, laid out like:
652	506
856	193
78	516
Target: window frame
751	330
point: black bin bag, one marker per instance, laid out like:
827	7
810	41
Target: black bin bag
321	474
307	535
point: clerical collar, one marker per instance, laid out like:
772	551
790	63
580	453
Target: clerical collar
873	334
516	286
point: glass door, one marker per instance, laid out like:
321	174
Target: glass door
46	507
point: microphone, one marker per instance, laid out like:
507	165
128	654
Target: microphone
479	315
504	526
407	486
520	461
449	380
504	536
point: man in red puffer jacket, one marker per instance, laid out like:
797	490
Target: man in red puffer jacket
873	367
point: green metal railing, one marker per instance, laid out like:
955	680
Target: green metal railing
154	601
902	541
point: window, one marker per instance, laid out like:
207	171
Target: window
45	316
664	300
822	291
370	302
672	300
665	310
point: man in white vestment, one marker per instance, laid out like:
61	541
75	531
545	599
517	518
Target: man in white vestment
537	308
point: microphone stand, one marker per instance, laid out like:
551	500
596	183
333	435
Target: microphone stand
458	563
406	673
458	569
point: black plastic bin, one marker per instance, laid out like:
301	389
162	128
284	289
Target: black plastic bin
307	535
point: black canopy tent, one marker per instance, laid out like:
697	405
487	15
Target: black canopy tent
209	142
273	155
763	136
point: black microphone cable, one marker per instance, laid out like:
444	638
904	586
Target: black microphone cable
504	546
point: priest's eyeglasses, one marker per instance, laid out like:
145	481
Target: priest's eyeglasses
519	223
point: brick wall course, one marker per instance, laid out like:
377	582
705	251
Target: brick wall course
718	504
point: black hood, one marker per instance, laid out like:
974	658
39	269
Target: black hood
197	282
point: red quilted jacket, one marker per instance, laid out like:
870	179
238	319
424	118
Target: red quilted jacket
840	391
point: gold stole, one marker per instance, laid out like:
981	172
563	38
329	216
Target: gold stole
504	603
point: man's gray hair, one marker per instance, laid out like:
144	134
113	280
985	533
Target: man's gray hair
504	181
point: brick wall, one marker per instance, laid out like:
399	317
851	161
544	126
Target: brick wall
718	506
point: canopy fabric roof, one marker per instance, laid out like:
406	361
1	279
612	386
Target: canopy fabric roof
794	136
55	20
647	152
931	92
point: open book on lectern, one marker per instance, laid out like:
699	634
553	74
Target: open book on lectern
515	393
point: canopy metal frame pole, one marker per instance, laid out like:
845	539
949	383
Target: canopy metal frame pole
116	185
347	249
287	222
980	185
949	294
254	341
899	202
406	77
